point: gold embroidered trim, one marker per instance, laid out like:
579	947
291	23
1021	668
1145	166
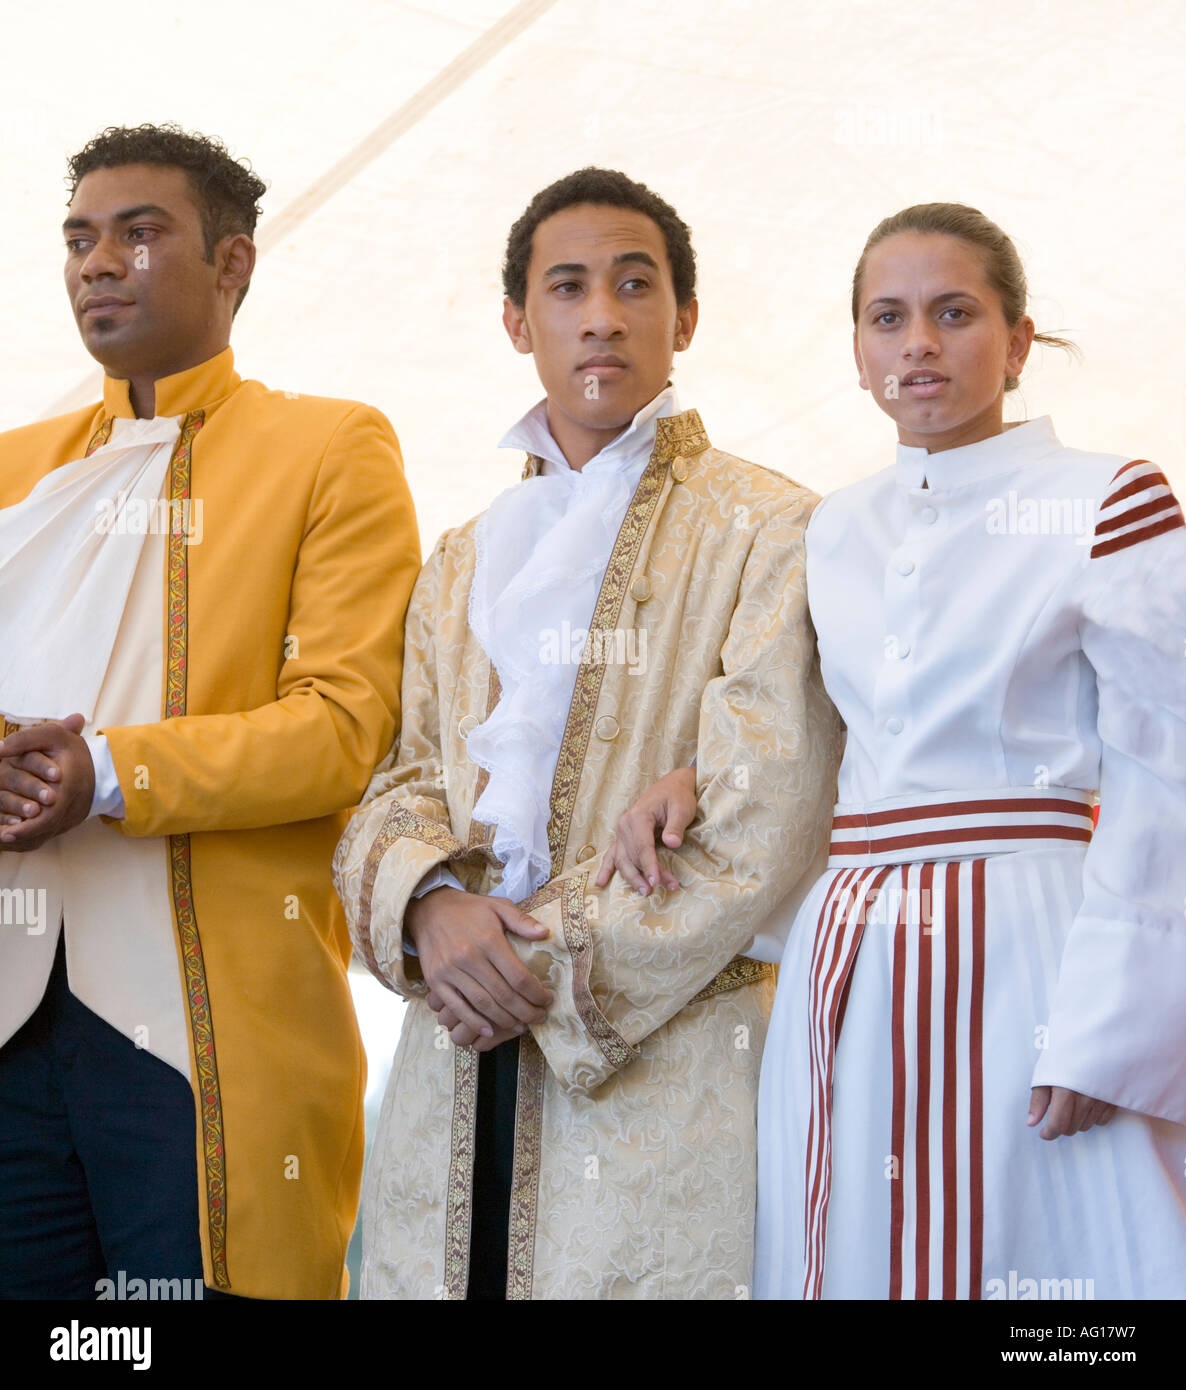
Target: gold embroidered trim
676	434
459	1198
681	434
616	1050
740	971
400	823
480	834
193	961
529	1124
100	436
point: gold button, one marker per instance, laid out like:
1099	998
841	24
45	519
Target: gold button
640	589
679	468
607	728
467	725
585	853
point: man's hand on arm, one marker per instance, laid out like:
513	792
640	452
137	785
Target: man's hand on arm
477	985
47	783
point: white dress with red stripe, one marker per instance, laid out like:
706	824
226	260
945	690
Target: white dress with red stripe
1003	628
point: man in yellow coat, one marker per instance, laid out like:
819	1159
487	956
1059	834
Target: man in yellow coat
202	592
571	1110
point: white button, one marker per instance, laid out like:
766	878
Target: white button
905	566
903	651
927	515
893	725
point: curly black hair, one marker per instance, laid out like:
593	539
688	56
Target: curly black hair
226	190
602	188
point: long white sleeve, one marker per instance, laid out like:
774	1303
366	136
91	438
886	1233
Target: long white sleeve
1118	1026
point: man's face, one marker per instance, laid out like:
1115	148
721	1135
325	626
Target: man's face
144	296
600	315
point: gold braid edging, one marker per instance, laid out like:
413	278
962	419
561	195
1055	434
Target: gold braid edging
616	1050
193	962
529	1124
399	823
100	436
673	434
459	1199
740	971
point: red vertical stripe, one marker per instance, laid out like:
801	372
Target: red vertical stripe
951	954
922	1124
824	926
828	988
976	1090
831	1037
898	1123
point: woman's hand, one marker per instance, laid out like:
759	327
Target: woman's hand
666	809
1067	1112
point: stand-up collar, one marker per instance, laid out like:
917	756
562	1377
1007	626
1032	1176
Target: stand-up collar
201	386
1014	447
533	435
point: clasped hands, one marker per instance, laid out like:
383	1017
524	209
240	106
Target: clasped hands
477	986
47	783
666	810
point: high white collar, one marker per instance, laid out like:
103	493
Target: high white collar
1014	447
635	443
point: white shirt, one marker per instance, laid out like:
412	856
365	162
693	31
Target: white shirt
520	537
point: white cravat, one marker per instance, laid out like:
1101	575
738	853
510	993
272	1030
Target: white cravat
542	551
113	892
67	559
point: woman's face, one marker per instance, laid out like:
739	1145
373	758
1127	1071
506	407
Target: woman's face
931	341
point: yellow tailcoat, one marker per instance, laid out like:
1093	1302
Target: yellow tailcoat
635	1134
283	652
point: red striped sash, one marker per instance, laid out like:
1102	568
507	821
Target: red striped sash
952	825
927	859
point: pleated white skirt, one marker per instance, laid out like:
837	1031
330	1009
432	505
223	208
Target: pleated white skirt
894	1156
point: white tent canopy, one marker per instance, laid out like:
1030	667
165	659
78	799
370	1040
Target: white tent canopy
401	141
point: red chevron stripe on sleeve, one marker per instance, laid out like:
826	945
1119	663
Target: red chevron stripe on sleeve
1140	505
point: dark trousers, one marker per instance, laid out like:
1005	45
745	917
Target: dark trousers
494	1155
98	1172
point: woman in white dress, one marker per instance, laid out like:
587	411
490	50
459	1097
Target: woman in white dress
974	1084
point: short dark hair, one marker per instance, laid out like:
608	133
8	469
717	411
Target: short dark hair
226	190
602	188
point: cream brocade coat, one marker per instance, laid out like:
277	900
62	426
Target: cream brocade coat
635	1148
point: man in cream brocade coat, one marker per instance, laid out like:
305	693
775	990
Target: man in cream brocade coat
634	1167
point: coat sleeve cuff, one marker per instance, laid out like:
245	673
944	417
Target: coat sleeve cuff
377	879
1118	1029
580	1045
